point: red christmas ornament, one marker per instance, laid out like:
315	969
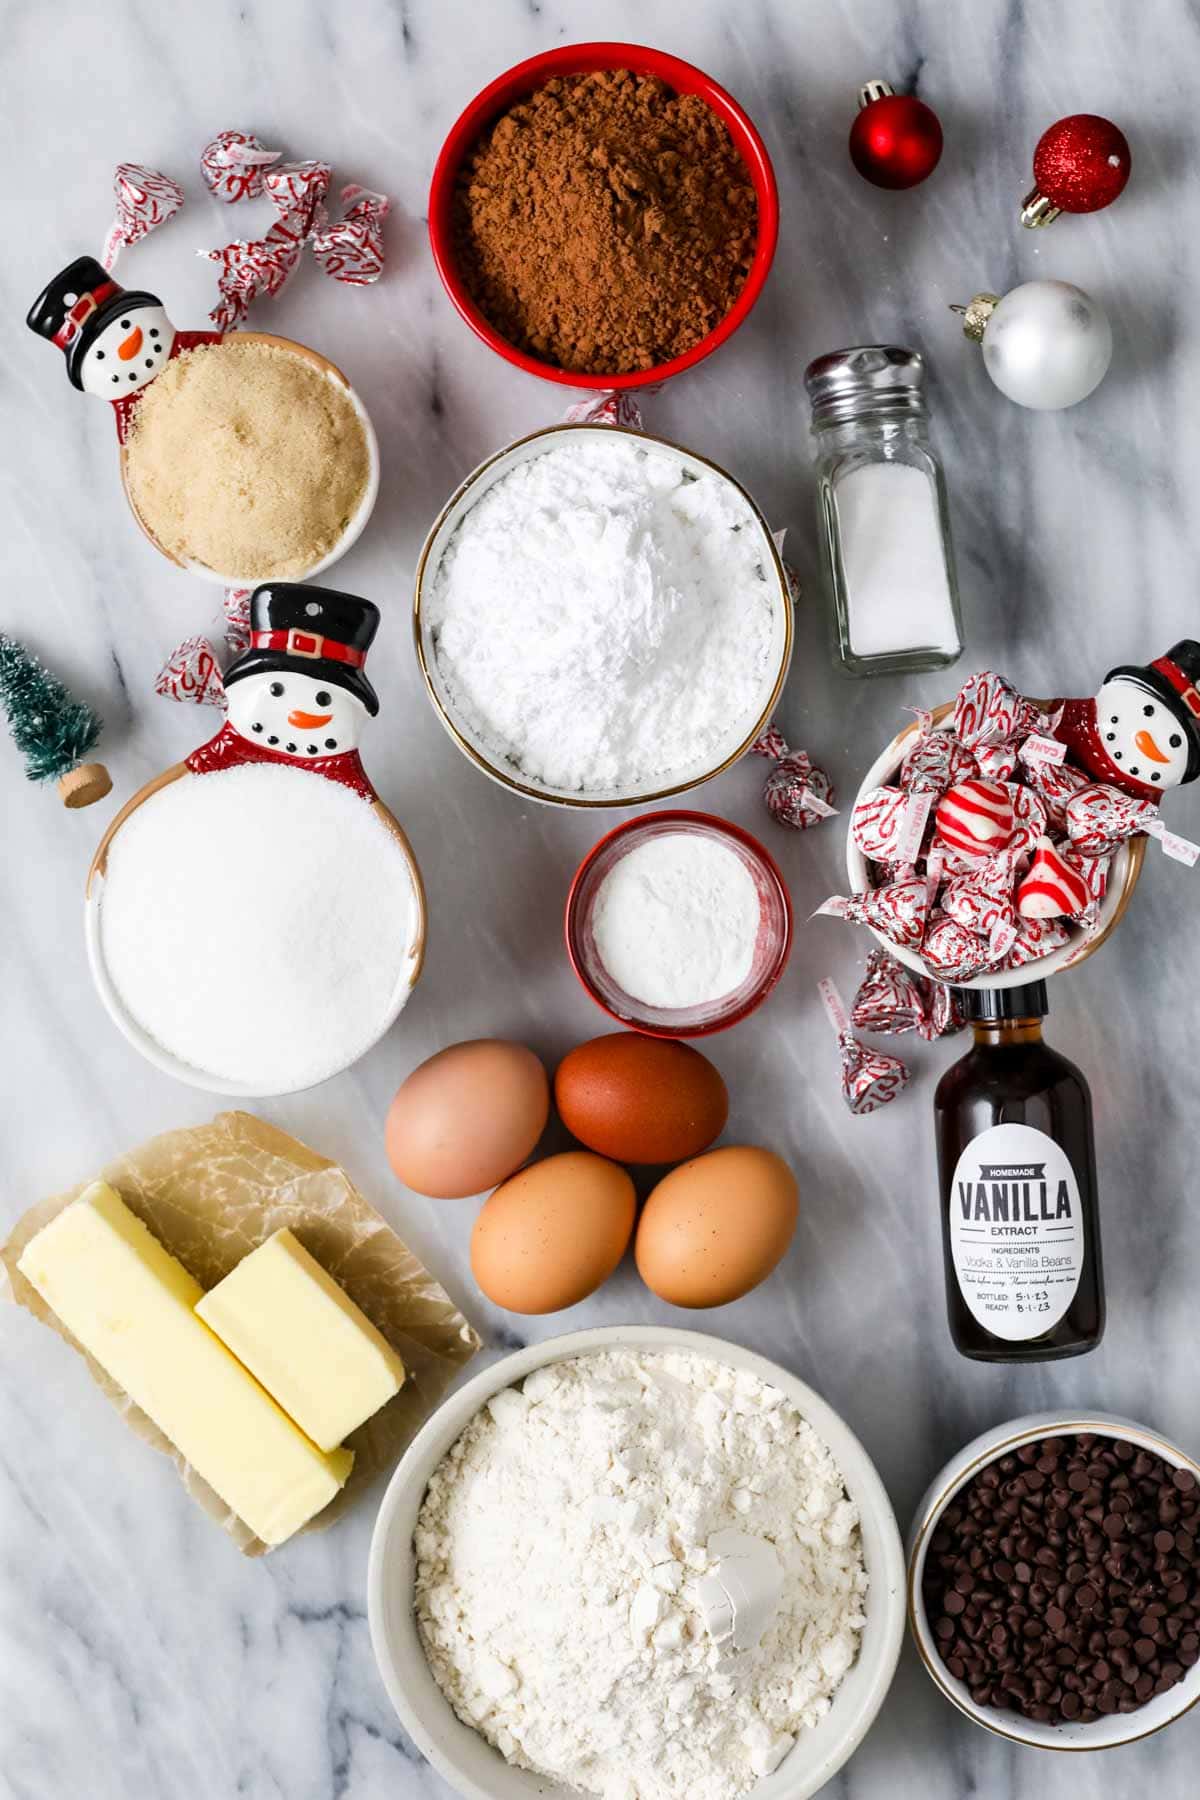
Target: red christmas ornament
896	140
1080	165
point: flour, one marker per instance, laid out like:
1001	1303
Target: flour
255	922
676	920
602	618
565	1553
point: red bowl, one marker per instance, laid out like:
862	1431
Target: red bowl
770	953
583	59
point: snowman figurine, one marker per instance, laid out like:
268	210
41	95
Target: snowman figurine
1141	732
115	340
298	694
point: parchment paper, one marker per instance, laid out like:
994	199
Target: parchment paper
212	1194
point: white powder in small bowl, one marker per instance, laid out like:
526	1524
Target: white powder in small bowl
603	619
256	922
676	920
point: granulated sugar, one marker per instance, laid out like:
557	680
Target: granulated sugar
255	922
569	1594
603	617
676	920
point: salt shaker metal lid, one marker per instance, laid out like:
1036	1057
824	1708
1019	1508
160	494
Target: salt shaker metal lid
865	380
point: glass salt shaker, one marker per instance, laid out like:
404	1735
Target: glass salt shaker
885	531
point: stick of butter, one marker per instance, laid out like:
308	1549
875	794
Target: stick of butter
304	1338
131	1305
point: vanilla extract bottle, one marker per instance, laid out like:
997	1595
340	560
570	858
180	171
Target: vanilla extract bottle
1017	1165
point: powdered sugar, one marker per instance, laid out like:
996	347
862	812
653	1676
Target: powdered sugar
256	923
676	920
603	617
569	1553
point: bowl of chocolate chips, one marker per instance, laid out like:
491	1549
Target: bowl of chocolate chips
1054	1581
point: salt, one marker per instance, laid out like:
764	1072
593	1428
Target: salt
897	591
257	923
676	920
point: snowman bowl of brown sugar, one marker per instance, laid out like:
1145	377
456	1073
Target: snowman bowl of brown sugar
998	840
1054	1581
244	457
255	917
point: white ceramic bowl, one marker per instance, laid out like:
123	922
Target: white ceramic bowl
741	734
362	512
461	1755
162	1058
1001	1440
1123	873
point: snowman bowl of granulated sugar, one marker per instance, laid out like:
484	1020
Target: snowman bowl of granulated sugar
244	457
255	917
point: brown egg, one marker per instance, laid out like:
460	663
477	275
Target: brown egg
552	1234
641	1099
714	1228
467	1118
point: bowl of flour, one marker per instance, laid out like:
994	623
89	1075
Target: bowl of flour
602	617
640	1563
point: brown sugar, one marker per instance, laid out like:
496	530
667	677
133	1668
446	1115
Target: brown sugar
605	224
246	458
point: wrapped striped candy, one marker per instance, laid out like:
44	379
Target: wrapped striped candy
1036	938
952	953
936	761
897	911
1100	818
796	793
890	998
888	825
989	710
870	1078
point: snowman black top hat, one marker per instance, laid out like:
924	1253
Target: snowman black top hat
76	306
1175	680
310	631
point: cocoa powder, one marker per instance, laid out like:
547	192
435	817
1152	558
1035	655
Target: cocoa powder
605	224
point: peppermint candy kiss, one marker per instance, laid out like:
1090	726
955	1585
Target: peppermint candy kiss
1052	889
975	818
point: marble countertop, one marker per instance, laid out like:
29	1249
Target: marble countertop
140	1657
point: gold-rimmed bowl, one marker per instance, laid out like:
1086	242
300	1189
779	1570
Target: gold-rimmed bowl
1002	1440
741	733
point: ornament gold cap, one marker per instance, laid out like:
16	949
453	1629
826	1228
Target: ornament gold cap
82	786
976	315
1038	209
874	90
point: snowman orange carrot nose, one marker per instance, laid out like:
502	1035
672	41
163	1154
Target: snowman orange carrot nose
1148	747
308	721
129	347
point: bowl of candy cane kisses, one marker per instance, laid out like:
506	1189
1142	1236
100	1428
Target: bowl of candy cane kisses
998	840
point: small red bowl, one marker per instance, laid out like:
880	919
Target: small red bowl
583	59
771	950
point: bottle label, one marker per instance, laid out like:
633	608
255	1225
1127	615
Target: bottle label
1016	1231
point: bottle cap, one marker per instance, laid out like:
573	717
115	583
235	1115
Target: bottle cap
866	380
1028	1002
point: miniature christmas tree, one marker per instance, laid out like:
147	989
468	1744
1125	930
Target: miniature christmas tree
52	730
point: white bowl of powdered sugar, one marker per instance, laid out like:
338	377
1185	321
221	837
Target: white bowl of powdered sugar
636	1562
602	618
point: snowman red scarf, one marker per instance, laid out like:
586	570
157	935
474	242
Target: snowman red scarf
229	750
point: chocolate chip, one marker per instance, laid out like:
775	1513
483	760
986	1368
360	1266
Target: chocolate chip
1060	1579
